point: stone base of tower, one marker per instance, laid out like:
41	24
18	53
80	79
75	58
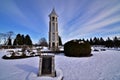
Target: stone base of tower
54	48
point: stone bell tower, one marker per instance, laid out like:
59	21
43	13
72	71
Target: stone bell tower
53	31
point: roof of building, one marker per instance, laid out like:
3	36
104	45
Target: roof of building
53	13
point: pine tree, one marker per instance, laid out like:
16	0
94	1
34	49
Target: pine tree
19	39
116	42
91	41
109	43
87	41
60	41
23	39
83	40
102	42
95	41
9	41
14	42
27	40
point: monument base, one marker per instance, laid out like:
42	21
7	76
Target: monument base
59	76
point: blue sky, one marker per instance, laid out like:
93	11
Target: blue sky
77	18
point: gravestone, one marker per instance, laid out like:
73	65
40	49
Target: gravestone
46	65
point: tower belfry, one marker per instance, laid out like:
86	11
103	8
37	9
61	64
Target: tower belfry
53	31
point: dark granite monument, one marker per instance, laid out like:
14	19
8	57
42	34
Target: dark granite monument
46	65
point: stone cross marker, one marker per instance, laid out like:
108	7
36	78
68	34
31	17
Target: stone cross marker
46	65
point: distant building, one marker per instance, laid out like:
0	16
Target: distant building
53	31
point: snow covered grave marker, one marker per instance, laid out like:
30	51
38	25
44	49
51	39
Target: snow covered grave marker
46	65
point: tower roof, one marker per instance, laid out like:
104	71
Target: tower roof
53	13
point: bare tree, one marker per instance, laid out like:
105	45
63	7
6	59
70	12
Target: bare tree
10	33
5	36
0	38
43	42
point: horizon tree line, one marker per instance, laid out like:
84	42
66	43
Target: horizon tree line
115	42
21	39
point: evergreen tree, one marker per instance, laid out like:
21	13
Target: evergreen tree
14	42
19	39
60	41
116	42
102	42
96	41
80	39
87	41
23	39
91	41
109	43
83	40
27	40
9	41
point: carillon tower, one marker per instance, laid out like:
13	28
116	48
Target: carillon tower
53	31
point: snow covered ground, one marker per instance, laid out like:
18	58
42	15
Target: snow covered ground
103	65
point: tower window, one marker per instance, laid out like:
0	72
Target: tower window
56	19
53	44
53	18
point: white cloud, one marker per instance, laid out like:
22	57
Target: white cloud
94	27
105	13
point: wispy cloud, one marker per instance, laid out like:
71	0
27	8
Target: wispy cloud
95	16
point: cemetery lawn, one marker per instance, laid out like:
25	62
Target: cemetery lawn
103	65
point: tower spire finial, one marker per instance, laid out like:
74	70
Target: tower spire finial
53	12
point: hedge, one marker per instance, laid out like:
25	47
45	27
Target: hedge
76	48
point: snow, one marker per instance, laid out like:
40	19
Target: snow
45	49
103	65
